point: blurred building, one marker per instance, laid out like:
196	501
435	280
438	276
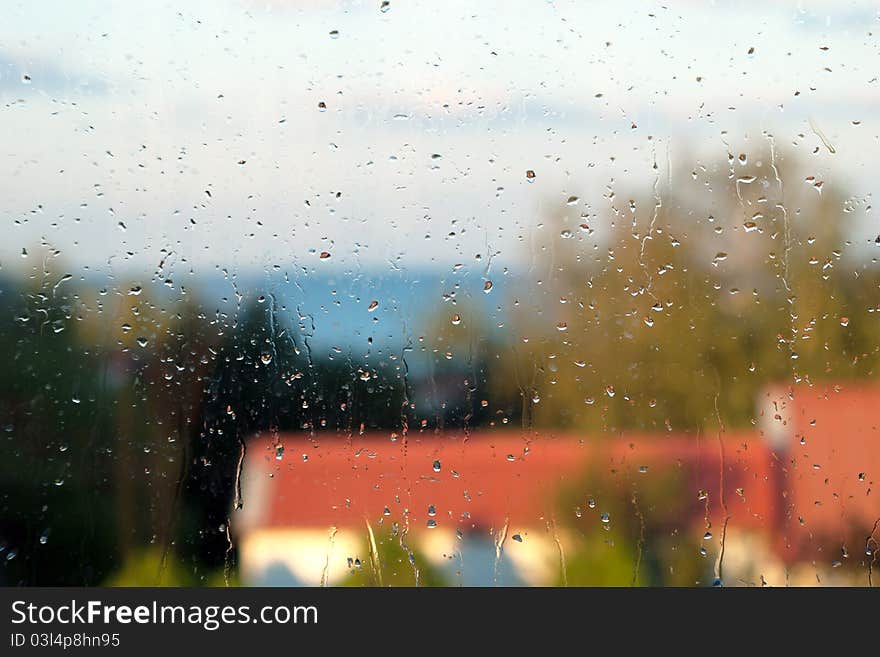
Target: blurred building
506	507
827	444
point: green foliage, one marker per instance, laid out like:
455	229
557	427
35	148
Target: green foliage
599	560
393	565
145	567
686	305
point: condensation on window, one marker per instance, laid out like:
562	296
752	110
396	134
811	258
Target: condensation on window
370	293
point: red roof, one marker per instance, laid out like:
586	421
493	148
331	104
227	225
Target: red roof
493	477
832	461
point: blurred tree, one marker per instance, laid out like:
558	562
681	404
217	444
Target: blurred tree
56	520
459	351
689	302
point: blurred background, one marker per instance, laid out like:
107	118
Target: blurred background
412	293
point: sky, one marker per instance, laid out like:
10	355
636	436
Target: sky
249	136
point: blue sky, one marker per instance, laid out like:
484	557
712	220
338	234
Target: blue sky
124	145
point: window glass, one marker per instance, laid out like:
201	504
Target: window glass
369	293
